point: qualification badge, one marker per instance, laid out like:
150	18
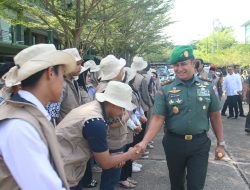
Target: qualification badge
175	110
204	107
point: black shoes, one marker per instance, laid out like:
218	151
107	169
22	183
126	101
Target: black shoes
223	114
242	115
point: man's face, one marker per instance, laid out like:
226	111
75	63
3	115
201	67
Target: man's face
77	69
56	86
237	70
230	70
212	73
184	70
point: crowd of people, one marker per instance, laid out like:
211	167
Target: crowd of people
62	116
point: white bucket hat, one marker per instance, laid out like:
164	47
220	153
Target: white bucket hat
37	58
117	93
92	66
130	74
74	52
138	64
110	67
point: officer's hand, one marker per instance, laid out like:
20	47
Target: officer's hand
134	154
219	152
143	119
138	129
141	147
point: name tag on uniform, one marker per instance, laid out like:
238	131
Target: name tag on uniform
203	92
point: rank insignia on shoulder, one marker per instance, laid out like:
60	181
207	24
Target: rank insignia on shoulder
205	79
165	82
206	83
202	86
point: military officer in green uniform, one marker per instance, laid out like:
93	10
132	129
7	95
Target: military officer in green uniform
186	106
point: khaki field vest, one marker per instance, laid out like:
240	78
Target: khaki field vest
28	112
116	137
73	146
71	99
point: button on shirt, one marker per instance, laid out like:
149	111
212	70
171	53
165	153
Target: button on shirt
186	106
232	84
25	153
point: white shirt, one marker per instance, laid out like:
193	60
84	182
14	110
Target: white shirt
25	154
240	80
232	84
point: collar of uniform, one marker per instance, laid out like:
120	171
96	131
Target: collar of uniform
177	81
32	99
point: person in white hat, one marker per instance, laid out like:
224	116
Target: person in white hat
143	84
111	69
94	72
29	152
84	131
134	127
71	97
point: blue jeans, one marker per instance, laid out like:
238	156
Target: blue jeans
110	177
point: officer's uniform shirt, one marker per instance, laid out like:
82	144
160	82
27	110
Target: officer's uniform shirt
186	105
25	153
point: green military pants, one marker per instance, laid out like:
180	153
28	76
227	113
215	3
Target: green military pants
187	159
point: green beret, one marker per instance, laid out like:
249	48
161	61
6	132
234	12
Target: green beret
181	53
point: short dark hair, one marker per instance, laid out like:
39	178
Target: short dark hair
33	79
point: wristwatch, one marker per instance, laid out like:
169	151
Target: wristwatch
221	143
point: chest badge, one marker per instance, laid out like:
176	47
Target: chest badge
175	110
174	90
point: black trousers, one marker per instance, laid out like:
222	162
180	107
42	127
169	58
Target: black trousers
233	106
187	159
127	168
239	102
225	105
247	125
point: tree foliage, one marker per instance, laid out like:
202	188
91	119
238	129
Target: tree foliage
226	49
121	27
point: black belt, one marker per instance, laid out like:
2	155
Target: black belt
187	137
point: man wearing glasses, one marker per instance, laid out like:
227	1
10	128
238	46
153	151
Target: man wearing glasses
186	105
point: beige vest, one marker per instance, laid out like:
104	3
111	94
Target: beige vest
85	96
138	86
71	99
116	136
101	86
29	113
73	146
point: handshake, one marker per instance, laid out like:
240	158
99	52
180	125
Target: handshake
137	151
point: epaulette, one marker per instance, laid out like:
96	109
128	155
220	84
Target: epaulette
205	79
165	82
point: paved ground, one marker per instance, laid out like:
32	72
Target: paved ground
233	173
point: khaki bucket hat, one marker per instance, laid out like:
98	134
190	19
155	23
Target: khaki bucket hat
37	58
117	93
130	74
92	66
138	64
110	67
